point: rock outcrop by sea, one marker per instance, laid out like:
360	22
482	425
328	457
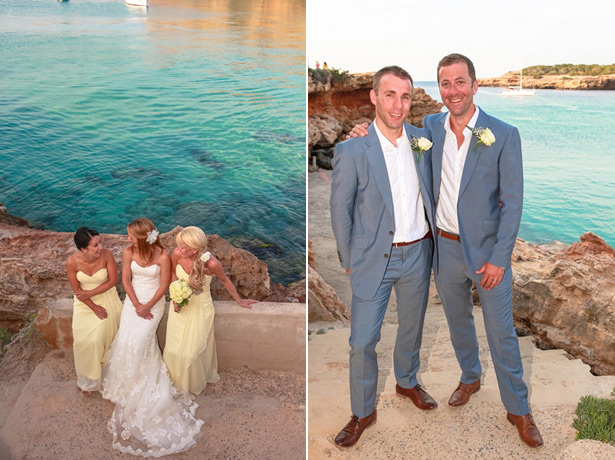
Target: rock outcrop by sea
565	298
599	82
335	106
324	303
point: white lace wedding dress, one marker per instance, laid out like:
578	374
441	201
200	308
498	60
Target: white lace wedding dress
151	418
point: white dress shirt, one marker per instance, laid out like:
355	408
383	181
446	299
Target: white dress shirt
453	161
408	210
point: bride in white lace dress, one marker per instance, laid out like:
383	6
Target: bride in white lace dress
151	418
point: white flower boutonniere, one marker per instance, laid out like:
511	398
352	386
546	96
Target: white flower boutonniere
205	257
484	136
420	144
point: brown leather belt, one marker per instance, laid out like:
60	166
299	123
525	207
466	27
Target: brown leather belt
448	235
427	235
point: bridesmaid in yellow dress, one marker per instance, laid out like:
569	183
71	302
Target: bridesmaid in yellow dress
190	349
92	273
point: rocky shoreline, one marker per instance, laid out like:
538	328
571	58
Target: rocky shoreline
33	269
599	82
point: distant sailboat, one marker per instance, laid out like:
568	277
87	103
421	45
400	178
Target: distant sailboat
136	2
518	90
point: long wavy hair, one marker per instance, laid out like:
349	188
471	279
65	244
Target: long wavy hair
139	229
194	238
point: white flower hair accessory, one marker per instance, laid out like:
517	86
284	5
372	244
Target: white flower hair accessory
152	236
205	257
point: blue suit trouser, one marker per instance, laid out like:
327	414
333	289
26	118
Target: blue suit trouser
454	284
408	271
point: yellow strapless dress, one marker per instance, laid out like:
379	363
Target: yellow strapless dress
92	336
190	349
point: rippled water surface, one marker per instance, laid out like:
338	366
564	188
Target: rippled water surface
568	140
187	112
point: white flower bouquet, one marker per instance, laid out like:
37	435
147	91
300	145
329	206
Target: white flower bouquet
180	292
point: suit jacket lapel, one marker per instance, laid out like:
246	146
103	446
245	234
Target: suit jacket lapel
376	159
436	159
474	150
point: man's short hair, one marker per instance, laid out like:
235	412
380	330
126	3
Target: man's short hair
393	70
454	59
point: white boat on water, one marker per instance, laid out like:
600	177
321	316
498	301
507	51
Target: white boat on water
136	2
518	90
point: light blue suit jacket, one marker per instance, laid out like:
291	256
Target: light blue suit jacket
491	193
361	205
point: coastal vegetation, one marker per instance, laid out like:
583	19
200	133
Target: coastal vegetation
323	75
5	338
539	71
27	332
30	333
595	419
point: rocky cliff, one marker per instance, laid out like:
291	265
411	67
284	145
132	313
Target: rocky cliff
600	82
324	304
33	269
566	298
335	106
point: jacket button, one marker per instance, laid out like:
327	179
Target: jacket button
391	232
386	256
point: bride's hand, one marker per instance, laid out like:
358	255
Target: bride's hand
247	303
175	307
144	312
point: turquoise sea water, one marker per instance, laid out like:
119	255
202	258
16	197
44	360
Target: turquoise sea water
187	112
568	140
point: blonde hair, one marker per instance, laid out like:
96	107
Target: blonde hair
139	228
194	238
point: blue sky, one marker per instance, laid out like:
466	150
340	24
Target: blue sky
364	35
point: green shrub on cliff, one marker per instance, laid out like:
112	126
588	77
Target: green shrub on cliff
538	71
323	75
595	419
338	74
320	75
5	338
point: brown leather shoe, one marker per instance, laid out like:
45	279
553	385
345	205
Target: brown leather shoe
419	397
354	429
462	393
528	432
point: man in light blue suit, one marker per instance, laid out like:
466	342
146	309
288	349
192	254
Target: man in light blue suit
382	215
478	191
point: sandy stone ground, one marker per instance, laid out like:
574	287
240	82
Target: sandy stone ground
247	415
478	430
